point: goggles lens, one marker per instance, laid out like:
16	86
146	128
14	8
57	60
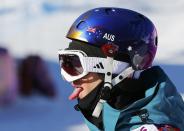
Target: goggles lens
71	64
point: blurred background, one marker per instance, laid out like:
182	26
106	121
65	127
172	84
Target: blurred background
32	31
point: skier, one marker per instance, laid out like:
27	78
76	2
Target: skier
8	78
109	63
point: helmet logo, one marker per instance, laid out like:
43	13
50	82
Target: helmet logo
109	37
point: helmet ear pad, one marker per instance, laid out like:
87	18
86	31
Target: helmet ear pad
141	62
141	57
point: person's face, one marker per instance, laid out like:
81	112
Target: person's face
85	85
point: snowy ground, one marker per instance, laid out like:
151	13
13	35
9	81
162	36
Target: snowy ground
40	26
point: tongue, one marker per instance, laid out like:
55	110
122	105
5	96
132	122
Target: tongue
75	93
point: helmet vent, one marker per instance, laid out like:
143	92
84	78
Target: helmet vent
81	25
109	10
156	41
141	16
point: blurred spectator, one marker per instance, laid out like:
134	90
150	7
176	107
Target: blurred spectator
8	78
34	76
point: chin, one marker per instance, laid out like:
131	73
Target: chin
82	95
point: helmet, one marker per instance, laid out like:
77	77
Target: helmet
127	39
133	33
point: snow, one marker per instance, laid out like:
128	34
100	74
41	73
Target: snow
40	26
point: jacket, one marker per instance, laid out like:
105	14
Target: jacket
162	105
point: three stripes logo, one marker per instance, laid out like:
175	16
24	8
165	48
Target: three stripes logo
99	66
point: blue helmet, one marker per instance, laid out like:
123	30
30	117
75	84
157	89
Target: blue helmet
133	33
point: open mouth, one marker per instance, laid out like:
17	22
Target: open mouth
75	93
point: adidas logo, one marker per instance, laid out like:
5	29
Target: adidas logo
99	66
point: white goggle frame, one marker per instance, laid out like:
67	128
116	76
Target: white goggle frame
91	64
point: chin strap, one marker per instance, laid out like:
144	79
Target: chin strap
107	87
124	74
109	83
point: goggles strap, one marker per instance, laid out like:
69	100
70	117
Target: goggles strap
128	71
98	65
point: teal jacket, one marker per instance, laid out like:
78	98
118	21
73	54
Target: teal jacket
162	104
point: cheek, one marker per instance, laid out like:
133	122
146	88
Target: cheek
87	87
86	90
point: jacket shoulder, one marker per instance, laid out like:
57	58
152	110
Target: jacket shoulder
153	75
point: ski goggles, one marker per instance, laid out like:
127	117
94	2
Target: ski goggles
75	64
